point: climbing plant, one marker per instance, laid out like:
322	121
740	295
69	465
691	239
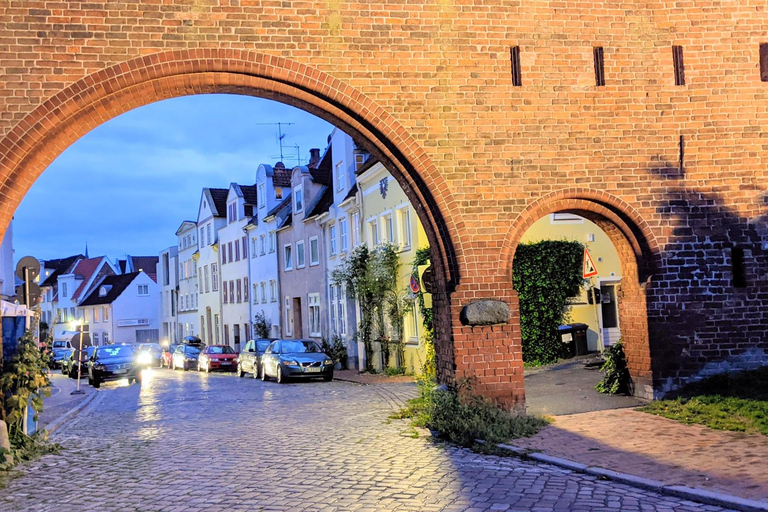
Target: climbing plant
429	368
545	274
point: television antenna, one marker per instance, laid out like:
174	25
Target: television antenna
280	134
297	157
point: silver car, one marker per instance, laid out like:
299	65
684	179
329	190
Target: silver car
288	359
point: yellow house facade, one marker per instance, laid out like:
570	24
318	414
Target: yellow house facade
386	215
601	318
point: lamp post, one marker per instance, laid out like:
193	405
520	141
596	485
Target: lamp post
75	324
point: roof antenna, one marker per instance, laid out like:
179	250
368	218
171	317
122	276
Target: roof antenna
280	135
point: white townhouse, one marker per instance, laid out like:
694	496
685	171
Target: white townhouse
168	284
122	309
273	185
233	258
189	320
212	216
50	270
7	270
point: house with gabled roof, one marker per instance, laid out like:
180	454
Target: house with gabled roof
122	308
187	277
50	270
212	216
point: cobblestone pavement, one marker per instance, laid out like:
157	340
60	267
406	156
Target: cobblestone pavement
185	442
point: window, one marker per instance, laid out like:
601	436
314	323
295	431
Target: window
232	291
63	289
314	314
208	228
86	316
202	234
244	244
253	248
96	338
264	244
517	78
341	176
288	257
237	251
106	338
597	55
214	277
272	291
205	276
255	293
263	292
677	62
404	221
288	317
238	287
245	289
105	316
764	62
262	196
95	315
373	230
390	227
359	161
229	251
333	239
272	241
298	199
314	253
342	307
332	310
224	254
225	293
343	229
356	229
226	334
143	290
300	262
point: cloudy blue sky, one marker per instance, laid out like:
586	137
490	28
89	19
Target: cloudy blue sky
126	186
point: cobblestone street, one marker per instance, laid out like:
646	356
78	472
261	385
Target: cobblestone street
185	441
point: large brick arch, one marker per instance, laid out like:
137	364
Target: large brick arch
48	130
638	253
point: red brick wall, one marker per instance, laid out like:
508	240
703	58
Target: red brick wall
429	85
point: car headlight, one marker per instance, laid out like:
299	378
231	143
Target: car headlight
100	367
144	358
328	362
290	362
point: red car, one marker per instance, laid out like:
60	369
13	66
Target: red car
217	357
167	356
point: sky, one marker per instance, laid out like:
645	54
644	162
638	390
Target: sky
125	187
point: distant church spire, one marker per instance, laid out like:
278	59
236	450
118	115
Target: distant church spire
86	250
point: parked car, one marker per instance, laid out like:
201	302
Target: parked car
61	344
112	362
286	359
249	360
217	357
166	360
59	355
185	356
69	365
149	354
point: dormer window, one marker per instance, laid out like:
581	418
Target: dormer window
232	213
63	289
262	198
298	199
104	290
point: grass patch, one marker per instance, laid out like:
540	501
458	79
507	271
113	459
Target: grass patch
394	371
734	401
462	417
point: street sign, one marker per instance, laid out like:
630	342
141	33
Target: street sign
590	270
414	285
28	269
32	265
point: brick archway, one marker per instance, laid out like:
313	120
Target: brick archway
638	253
54	125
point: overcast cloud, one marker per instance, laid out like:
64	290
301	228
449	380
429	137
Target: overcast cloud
126	186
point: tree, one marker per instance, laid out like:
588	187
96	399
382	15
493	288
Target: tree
394	302
261	325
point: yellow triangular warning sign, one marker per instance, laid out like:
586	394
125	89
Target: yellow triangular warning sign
590	270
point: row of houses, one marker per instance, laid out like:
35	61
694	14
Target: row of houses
268	249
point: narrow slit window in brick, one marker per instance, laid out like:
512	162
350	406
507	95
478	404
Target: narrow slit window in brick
677	61
517	78
738	269
597	54
764	62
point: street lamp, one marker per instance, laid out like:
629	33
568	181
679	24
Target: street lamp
75	324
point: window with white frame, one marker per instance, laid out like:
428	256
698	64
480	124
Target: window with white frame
332	310
215	277
342	307
288	257
314	314
63	289
202	234
389	226
255	293
373	232
105	315
314	252
96	339
239	288
404	223
106	338
245	290
411	329
232	291
272	241
300	257
262	195
359	161
272	290
298	199
208	229
332	234
341	176
356	229
343	234
263	244
288	317
95	315
263	292
253	247
143	290
205	276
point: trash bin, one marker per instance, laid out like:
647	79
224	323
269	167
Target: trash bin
567	346
579	334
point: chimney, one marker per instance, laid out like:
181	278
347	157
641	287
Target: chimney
314	157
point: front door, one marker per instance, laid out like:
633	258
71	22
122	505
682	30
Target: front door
298	331
609	313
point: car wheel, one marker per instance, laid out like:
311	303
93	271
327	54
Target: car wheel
280	377
328	378
185	367
239	372
264	376
96	383
90	381
256	372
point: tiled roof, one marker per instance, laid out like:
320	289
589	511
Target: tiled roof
281	177
367	165
118	284
60	266
146	263
321	204
323	174
85	269
219	196
249	193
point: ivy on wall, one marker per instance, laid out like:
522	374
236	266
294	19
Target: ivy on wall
545	274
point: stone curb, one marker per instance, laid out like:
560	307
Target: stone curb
688	493
54	425
343	379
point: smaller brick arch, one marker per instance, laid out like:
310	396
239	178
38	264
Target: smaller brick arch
638	252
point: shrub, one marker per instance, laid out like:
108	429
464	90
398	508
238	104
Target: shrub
336	350
616	379
261	325
545	275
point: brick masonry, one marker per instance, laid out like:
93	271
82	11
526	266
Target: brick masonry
675	174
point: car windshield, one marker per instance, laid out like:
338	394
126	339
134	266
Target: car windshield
262	346
296	347
150	347
59	344
192	350
220	350
114	351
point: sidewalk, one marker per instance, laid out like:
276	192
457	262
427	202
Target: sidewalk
370	378
640	444
60	400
